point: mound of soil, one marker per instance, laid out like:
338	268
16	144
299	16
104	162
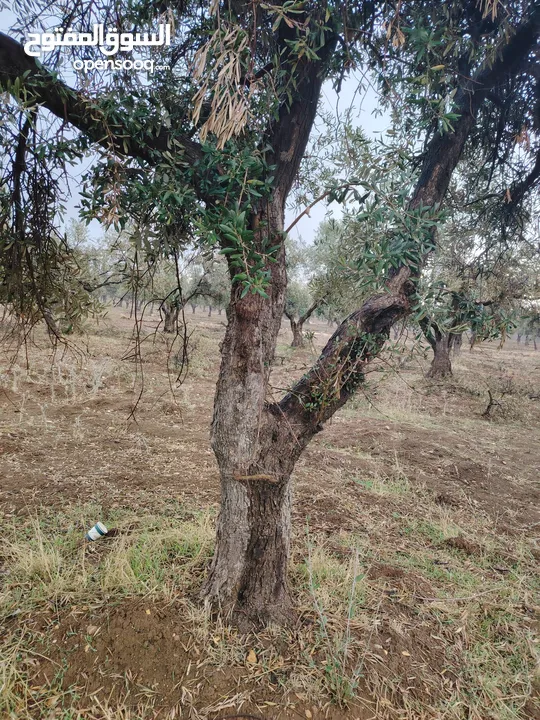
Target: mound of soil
139	651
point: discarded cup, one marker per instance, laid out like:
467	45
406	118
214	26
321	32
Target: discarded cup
99	530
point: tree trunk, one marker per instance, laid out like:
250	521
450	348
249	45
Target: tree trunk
297	331
170	313
441	365
209	311
248	574
257	444
193	307
297	326
441	344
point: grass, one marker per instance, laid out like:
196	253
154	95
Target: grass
351	613
394	621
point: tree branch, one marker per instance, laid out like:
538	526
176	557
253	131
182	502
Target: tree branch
309	312
318	199
288	314
360	338
339	371
80	111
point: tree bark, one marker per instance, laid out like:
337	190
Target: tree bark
441	365
170	314
248	574
256	445
298	335
441	343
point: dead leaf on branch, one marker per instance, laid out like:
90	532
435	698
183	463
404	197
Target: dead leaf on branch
228	96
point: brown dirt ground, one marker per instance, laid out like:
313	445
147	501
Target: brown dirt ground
67	438
152	646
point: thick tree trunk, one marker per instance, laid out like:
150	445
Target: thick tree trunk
193	308
441	366
248	574
256	444
254	447
441	343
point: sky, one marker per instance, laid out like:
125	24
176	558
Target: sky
364	104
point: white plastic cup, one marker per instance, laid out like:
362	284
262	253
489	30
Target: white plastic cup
98	531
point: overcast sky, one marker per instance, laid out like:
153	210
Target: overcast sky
364	102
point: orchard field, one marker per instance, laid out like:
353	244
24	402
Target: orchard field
416	542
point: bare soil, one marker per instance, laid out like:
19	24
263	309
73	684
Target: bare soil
75	429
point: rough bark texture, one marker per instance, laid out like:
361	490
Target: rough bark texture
441	365
441	343
256	444
248	572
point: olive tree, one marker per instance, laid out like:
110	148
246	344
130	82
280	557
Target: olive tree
216	139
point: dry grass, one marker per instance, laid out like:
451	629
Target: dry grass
415	559
362	612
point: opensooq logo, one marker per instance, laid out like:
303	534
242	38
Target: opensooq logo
109	43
